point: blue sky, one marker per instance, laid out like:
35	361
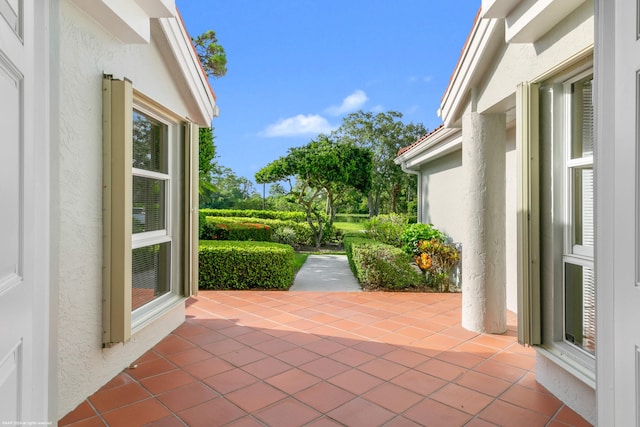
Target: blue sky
297	67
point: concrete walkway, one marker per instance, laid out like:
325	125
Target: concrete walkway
326	273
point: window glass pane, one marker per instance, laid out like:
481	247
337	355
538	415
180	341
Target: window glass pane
580	314
149	144
582	119
583	207
150	278
149	204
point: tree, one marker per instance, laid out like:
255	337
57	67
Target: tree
384	134
230	191
206	165
323	171
212	56
214	62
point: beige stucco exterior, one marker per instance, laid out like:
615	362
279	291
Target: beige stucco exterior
86	52
440	180
485	83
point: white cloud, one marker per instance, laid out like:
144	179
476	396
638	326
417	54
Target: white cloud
424	79
413	109
350	104
377	109
301	124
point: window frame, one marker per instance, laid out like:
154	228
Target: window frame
147	238
553	343
141	315
580	255
540	139
118	322
572	164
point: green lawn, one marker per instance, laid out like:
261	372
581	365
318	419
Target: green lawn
299	259
349	226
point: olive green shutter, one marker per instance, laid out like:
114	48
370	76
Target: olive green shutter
117	209
528	214
191	209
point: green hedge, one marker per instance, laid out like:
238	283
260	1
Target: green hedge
287	232
386	228
226	229
245	265
202	219
348	241
379	266
249	213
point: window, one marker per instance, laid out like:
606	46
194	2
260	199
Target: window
567	279
150	210
579	279
556	280
151	240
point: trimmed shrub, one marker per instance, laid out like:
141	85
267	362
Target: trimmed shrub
348	242
250	213
249	232
245	265
285	235
302	231
223	229
386	228
379	266
437	259
214	231
202	219
414	233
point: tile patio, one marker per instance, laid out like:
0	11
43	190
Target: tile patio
327	359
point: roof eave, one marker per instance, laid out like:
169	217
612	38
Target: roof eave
194	76
441	142
468	69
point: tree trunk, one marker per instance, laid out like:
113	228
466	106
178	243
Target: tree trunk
394	197
372	205
331	210
319	232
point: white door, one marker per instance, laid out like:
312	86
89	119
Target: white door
23	287
618	212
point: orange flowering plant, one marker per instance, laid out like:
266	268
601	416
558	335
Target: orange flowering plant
437	259
423	260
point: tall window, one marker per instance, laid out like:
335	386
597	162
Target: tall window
150	199
151	240
579	278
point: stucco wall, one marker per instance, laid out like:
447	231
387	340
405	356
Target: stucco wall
441	200
514	64
86	52
573	392
441	195
511	231
523	62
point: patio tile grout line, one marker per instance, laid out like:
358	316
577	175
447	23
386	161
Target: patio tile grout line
385	311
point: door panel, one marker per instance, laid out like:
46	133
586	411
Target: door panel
10	385
622	76
10	179
10	11
19	394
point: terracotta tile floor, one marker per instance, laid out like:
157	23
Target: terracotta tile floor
327	359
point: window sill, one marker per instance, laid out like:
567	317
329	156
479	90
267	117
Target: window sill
149	316
561	355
